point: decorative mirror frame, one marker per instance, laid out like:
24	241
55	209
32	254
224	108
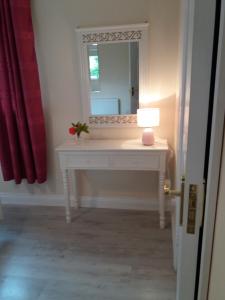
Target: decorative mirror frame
112	34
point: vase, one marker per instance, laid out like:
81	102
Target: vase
77	139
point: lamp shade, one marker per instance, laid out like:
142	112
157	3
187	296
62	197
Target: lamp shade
148	117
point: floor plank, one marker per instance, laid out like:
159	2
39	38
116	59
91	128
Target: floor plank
103	254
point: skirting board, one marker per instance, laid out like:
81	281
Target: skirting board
86	201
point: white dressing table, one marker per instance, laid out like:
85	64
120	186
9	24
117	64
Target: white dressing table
112	155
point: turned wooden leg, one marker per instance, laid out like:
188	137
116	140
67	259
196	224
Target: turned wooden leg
67	194
161	200
75	189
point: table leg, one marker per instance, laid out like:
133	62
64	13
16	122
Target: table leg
65	174
161	200
75	188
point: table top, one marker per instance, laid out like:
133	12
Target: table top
111	145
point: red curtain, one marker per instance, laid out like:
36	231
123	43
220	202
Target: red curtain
22	131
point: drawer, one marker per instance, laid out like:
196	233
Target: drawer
109	160
135	162
85	161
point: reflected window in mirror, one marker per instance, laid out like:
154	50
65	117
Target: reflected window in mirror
114	78
94	70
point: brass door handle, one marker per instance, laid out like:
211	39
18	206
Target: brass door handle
177	193
169	192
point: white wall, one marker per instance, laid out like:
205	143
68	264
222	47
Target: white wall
217	278
54	25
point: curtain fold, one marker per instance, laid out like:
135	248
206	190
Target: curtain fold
22	130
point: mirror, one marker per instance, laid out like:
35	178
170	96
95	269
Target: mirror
114	78
114	73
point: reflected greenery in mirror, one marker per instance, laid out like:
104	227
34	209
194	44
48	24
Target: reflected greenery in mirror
114	78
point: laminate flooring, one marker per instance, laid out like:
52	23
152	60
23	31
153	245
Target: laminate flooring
103	254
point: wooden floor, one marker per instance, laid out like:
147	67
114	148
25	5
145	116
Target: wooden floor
103	255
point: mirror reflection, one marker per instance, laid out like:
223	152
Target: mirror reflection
114	78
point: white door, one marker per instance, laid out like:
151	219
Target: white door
195	81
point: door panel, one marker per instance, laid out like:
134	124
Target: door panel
214	161
201	19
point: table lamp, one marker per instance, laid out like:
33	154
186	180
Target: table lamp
148	118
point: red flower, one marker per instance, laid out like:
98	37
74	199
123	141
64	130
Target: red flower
72	130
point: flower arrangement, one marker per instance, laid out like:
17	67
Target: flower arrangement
78	128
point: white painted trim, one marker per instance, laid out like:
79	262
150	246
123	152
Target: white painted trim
185	29
113	28
214	163
29	199
84	76
122	202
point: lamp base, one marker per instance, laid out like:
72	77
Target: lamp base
148	138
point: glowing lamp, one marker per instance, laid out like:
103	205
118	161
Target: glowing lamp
148	118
